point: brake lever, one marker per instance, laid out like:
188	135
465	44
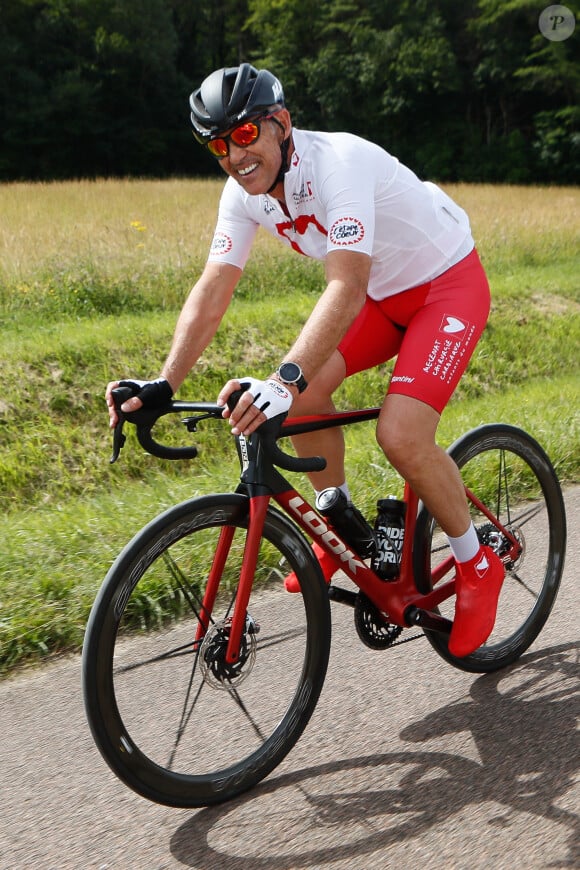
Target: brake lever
120	395
119	439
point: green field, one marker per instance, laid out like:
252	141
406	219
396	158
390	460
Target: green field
92	276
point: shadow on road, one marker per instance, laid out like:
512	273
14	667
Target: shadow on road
523	723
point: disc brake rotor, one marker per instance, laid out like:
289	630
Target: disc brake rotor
216	671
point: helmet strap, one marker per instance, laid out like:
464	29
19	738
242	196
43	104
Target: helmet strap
284	164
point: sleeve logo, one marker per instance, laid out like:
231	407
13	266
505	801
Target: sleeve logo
346	231
221	244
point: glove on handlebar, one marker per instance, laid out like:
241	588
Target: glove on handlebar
271	397
153	394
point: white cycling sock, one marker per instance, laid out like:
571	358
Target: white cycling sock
466	546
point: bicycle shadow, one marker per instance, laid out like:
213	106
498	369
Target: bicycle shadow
523	723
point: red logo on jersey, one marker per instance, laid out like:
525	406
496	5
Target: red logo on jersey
346	231
290	229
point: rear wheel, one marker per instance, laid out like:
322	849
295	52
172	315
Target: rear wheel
173	720
511	474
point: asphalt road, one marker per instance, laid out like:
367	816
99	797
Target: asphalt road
406	763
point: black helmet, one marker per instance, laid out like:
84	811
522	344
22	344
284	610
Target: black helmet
232	95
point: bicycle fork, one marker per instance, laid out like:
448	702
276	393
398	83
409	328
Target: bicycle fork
258	507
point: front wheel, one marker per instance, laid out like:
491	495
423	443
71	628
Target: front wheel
512	475
172	718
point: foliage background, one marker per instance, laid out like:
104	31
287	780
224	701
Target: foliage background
459	89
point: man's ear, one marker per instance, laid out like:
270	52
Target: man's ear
284	117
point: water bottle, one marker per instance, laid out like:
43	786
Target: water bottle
346	520
389	536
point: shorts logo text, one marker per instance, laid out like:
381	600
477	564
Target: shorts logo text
446	354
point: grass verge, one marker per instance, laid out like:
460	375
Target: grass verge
91	292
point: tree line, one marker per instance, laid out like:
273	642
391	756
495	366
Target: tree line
458	89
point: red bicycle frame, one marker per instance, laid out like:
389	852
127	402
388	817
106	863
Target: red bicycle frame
398	598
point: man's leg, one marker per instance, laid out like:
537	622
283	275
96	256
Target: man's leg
406	432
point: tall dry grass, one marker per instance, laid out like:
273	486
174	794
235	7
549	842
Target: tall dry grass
130	226
113	226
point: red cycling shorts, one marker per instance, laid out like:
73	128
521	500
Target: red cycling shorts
432	329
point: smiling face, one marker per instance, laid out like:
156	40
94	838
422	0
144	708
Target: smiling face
256	167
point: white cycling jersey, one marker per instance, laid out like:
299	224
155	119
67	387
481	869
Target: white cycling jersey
344	193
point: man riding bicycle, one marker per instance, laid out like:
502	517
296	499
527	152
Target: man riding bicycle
403	279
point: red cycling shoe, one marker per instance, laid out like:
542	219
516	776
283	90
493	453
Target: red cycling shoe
327	563
477	586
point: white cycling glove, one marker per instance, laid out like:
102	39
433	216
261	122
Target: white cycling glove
271	397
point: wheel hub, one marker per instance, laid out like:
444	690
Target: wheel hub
491	536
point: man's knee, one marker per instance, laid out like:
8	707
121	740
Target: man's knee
395	442
406	433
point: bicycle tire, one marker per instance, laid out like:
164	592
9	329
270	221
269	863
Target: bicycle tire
227	732
512	475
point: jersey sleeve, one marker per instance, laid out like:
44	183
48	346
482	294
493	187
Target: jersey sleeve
348	194
235	229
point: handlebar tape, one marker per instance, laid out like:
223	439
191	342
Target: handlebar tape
144	420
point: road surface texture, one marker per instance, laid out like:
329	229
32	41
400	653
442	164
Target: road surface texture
406	763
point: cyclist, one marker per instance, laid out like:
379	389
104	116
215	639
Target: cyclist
403	279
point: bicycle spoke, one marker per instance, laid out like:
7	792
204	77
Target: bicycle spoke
523	584
185	718
527	515
282	637
185	649
235	695
502	478
191	596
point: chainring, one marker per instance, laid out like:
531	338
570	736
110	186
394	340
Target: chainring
372	626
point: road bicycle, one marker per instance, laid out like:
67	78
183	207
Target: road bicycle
200	672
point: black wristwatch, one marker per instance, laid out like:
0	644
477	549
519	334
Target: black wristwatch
290	373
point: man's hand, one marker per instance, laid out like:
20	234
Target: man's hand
148	394
261	401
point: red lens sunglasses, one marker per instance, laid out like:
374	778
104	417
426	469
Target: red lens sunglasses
241	136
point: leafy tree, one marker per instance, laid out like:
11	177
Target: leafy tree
467	90
523	81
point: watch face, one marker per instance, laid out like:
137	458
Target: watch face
290	372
